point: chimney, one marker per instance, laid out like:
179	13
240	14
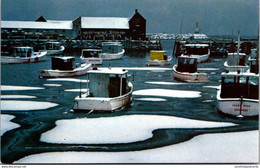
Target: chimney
136	11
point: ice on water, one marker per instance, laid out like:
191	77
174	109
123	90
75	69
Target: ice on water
119	129
76	90
213	87
17	97
9	88
68	80
168	93
235	147
165	83
150	99
18	105
55	85
6	124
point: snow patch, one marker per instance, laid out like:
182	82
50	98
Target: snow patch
69	80
56	85
165	83
208	69
142	68
168	93
150	99
120	129
8	88
76	90
17	97
236	147
6	124
14	105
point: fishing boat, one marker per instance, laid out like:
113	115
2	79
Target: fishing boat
20	55
108	90
236	60
91	56
186	70
199	51
54	48
158	58
64	67
238	95
112	51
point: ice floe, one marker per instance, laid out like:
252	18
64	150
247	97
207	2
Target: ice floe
6	124
208	69
168	93
213	87
120	129
143	68
9	88
18	105
236	147
17	97
76	90
55	85
69	80
165	83
150	99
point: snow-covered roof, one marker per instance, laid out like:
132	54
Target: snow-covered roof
104	23
37	25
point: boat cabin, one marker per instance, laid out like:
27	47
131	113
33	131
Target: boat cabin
112	47
107	82
158	55
187	64
237	85
254	61
63	63
236	59
90	53
22	52
52	45
196	49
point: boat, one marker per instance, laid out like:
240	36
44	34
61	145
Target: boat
20	55
108	90
238	95
158	58
64	67
199	51
186	70
236	60
112	51
91	56
54	48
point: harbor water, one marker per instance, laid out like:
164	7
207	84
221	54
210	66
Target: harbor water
163	113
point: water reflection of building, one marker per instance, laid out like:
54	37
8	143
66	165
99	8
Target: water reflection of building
85	28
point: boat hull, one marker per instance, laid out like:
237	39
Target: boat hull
38	57
93	61
236	107
158	62
111	56
84	103
65	73
189	77
235	68
56	52
201	58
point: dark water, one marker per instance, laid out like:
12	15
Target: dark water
23	141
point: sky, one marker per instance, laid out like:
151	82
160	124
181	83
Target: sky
215	17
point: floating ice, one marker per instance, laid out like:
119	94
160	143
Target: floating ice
69	80
17	97
168	93
213	87
166	83
76	90
6	124
56	85
14	105
237	147
208	69
120	129
150	99
143	68
8	88
206	101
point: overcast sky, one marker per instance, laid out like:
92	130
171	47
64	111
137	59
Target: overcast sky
215	17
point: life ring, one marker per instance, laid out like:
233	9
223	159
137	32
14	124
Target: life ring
36	59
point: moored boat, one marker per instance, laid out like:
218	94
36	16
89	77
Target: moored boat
91	56
20	55
112	51
54	48
64	67
186	70
238	95
158	58
108	90
199	51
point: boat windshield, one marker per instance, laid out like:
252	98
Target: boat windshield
187	65
22	52
239	86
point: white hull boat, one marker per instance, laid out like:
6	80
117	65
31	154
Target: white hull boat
189	77
112	56
56	52
200	52
93	61
91	56
23	56
201	58
111	51
108	90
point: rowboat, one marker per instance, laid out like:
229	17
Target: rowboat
111	51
